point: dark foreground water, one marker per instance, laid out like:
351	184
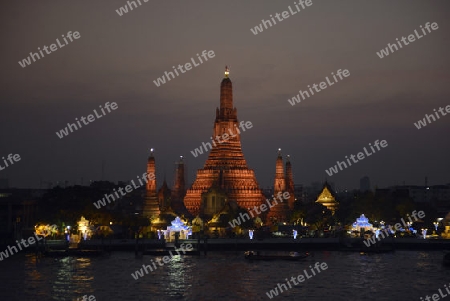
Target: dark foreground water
403	275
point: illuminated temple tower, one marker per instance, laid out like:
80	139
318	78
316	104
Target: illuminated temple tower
279	212
290	183
225	167
151	206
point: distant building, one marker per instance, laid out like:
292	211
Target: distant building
18	212
437	196
419	194
429	193
364	184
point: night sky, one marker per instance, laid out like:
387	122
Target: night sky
117	58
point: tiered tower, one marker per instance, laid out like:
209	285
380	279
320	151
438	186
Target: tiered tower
164	193
280	212
226	164
280	181
290	183
179	189
151	206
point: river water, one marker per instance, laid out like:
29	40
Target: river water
403	275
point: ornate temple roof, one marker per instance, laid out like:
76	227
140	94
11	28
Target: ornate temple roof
325	196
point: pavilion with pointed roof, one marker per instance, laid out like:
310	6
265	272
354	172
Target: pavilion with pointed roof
327	198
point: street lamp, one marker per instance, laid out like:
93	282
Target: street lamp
409	224
67	231
424	233
436	225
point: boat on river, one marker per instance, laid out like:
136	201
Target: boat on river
292	256
75	253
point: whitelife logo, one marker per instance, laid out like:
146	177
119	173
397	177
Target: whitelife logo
243	217
360	155
53	48
423	122
284	15
90	118
128	189
371	241
411	38
30	240
166	259
11	158
437	297
187	66
323	85
319	267
124	9
225	137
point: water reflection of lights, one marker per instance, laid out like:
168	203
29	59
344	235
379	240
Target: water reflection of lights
60	277
178	279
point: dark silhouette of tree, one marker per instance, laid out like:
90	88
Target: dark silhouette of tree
67	205
318	215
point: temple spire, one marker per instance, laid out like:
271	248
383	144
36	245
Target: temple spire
151	205
280	182
290	183
280	211
179	190
225	167
226	110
